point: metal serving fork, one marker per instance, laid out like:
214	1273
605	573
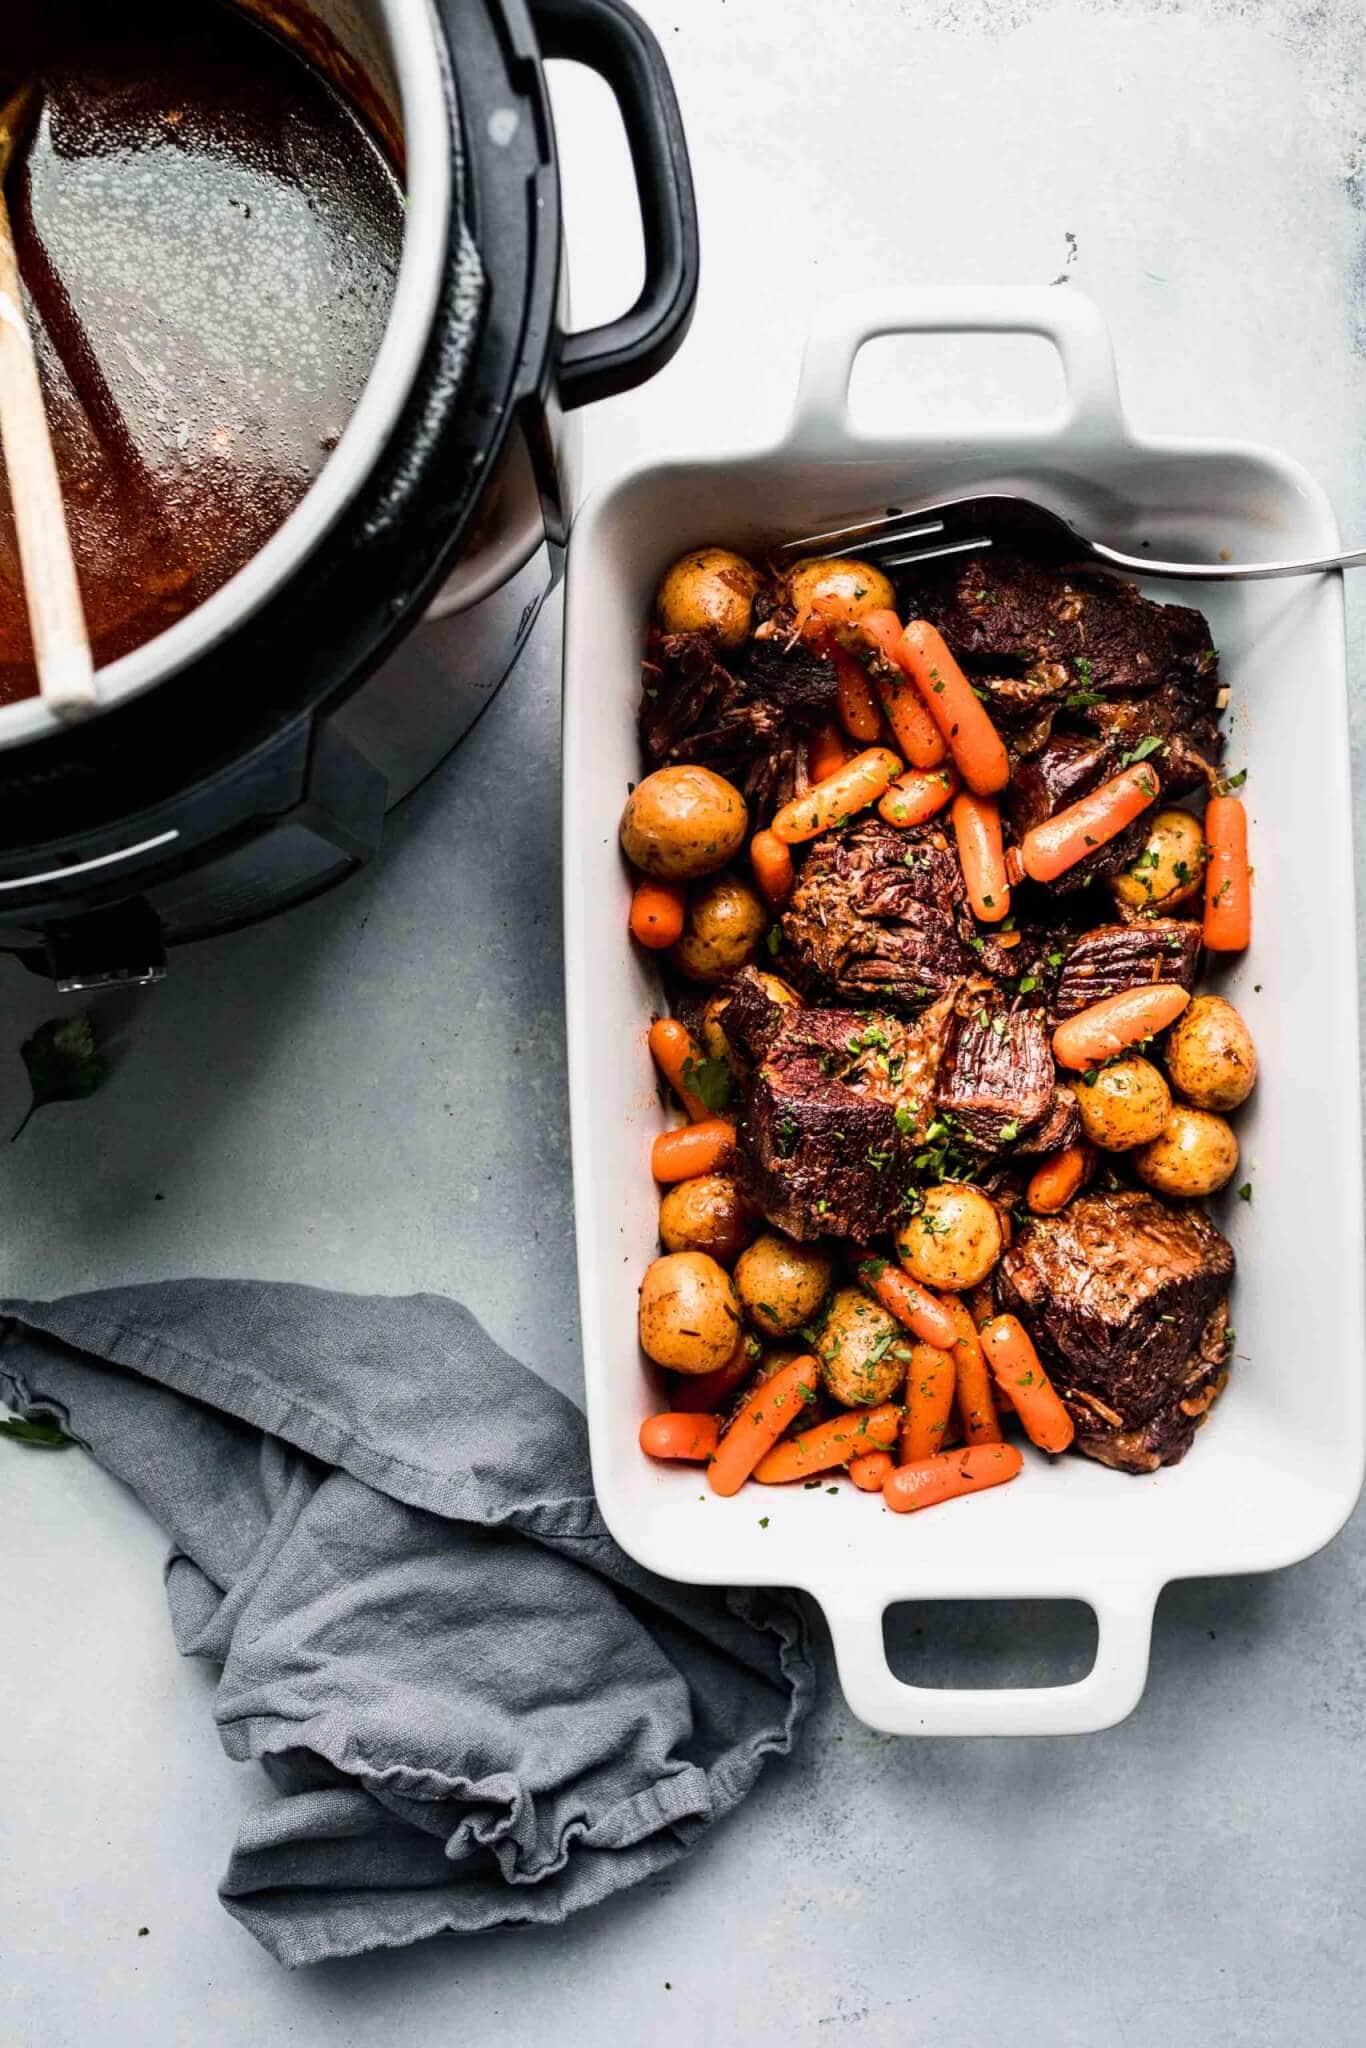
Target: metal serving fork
968	526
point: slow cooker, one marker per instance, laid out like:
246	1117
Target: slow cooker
245	759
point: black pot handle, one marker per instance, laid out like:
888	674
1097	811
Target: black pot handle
612	40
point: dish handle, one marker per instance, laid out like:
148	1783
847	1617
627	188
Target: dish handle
1111	1689
1069	320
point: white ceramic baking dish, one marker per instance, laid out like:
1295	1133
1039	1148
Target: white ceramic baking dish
1278	1467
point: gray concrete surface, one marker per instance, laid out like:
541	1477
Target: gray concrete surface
371	1094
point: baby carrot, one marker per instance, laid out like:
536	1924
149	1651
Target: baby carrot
1228	878
1050	849
929	1402
674	1052
972	1380
858	707
1025	1384
829	1444
1053	1184
759	1424
657	913
977	829
1108	1027
853	787
917	735
699	1148
826	750
955	707
919	794
869	1470
949	1474
690	1438
772	865
924	1315
708	1393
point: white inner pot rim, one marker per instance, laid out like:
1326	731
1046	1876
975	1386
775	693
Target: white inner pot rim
419	70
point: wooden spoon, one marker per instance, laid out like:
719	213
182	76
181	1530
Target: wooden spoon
61	644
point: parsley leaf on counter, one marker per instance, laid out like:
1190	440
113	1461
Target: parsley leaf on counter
64	1064
42	1432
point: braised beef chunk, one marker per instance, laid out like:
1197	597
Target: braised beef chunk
792	676
996	1075
686	689
833	1105
1189	745
750	1018
750	723
1062	657
1080	634
1124	1296
1060	1125
879	915
1113	957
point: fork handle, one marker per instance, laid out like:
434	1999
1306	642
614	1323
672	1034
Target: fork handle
1223	572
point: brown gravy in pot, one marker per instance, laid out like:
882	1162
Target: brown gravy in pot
209	237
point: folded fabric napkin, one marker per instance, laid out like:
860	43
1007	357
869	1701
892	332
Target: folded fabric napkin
474	1709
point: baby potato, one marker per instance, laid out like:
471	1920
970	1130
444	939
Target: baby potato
689	1316
863	1352
683	822
953	1240
1210	1055
780	1283
1171	868
710	590
1127	1104
713	1032
857	588
724	924
773	1357
708	1214
1196	1154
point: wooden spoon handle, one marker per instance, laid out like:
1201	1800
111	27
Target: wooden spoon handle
61	644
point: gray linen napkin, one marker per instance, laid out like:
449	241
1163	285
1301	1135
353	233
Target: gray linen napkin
474	1709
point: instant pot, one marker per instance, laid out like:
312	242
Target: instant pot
244	760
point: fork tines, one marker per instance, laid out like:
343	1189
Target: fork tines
873	538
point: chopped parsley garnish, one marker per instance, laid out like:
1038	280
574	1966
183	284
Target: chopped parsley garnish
872	1038
1141	752
710	1081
